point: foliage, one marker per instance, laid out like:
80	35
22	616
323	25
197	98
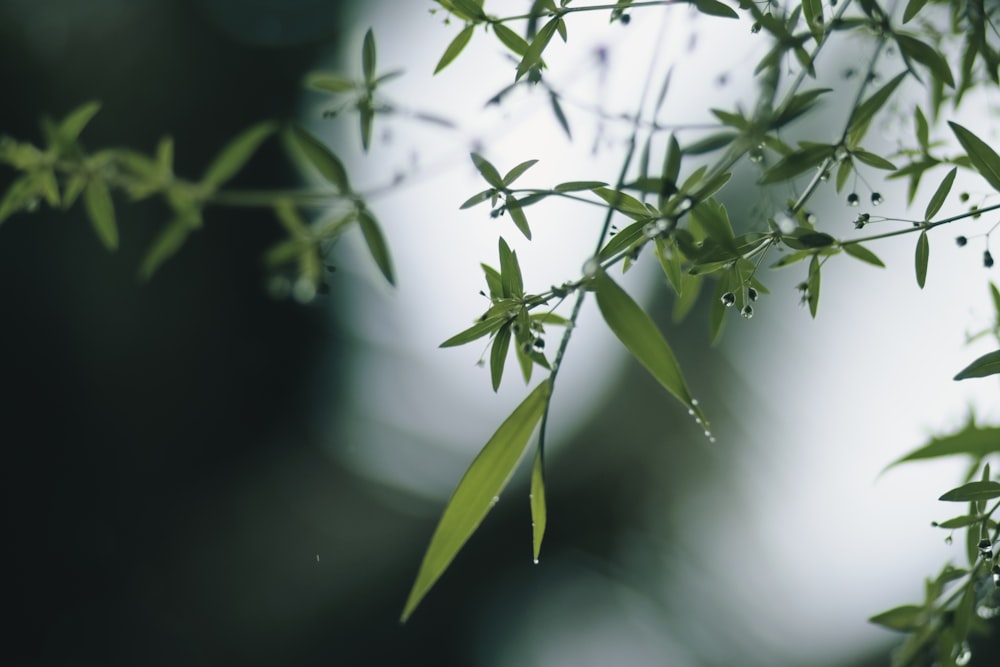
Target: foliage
675	209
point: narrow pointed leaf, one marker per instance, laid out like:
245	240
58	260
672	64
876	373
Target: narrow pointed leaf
377	246
986	365
533	54
167	243
927	56
539	513
813	281
913	7
101	211
329	82
510	39
510	271
74	122
236	154
322	158
498	355
974	441
574	186
640	336
862	116
981	490
920	258
873	160
475	332
937	199
488	171
715	8
477	198
475	495
517	215
905	618
557	110
368	56
516	172
455	47
858	251
983	158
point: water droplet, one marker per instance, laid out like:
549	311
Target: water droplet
686	203
747	311
708	434
785	223
756	155
591	267
711	439
728	299
948	539
535	561
304	290
811	218
963	654
853	199
694	401
987	259
841	154
755	28
986	612
650	231
825	176
876	199
752	294
996	575
495	500
691	412
662	224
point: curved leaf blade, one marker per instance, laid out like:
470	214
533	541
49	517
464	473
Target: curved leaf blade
983	158
236	154
984	366
322	158
539	512
455	47
937	199
377	246
981	490
920	258
101	211
476	493
640	336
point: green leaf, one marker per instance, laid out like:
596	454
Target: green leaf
873	160
927	56
533	54
624	203
517	215
510	39
798	105
498	355
466	9
905	618
366	116
236	154
510	271
983	158
937	199
923	130
516	172
972	440
959	522
921	257
640	336
368	56
712	142
863	114
715	8
980	490
477	492
322	158
559	114
574	186
167	243
476	331
858	251
377	246
913	7
76	120
813	281
477	198
537	498
795	163
101	211
455	47
329	82
984	366
488	171
812	10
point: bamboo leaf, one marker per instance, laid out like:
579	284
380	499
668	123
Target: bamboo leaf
538	510
476	331
983	158
921	257
368	56
329	82
640	336
913	7
167	243
988	364
858	251
533	54
905	618
937	199
236	154
715	8
862	116
498	355
927	56
980	490
574	186
322	158
974	441
517	215
510	39
377	246
488	171
813	282
455	47
516	172
477	492
101	211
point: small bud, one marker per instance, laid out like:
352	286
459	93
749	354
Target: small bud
747	311
755	28
625	19
540	343
728	299
961	241
853	199
756	155
876	199
987	259
964	197
861	220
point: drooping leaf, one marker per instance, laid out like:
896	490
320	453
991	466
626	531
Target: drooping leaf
979	490
937	199
873	160
913	7
476	331
516	172
235	154
927	56
498	355
574	186
862	116
920	258
510	39
539	513
640	336
715	8
813	281
455	47
517	215
477	492
533	54
625	203
858	251
101	211
322	158
167	243
477	198
983	158
560	115
377	246
984	366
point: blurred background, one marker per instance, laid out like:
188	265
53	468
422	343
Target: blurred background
197	473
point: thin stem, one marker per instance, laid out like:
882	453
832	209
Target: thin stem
591	8
923	226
